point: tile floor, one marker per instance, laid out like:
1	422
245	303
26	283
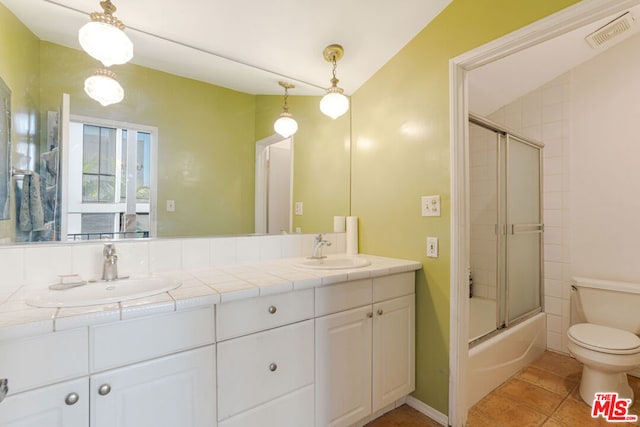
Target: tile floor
544	393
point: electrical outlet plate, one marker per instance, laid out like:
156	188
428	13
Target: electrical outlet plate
430	205
432	247
171	205
299	208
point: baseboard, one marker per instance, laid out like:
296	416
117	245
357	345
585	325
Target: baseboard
422	407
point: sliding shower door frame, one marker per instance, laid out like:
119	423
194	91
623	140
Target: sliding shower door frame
504	228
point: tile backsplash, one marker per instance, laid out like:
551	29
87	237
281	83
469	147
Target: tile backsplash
39	265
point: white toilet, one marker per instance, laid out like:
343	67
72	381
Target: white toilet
604	335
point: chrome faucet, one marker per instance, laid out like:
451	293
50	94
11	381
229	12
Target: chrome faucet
318	243
110	266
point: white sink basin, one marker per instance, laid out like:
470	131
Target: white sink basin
335	263
101	292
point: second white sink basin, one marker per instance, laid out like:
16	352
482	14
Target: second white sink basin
335	263
102	292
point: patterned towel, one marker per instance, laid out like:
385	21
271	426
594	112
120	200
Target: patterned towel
31	217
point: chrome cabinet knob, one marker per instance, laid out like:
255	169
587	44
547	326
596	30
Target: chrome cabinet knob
370	315
380	312
273	367
273	309
104	389
71	399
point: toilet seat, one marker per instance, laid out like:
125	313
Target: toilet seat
604	339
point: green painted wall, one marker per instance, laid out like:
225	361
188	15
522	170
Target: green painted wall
400	120
22	77
321	158
206	138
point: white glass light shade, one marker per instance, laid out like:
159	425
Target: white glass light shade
106	43
286	125
104	88
334	104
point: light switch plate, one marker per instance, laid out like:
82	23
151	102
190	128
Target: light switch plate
432	247
171	205
430	205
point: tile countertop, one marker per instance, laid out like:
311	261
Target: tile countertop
216	285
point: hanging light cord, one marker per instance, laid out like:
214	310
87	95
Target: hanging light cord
285	107
334	80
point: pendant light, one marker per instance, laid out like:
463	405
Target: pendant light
334	103
104	88
104	39
286	124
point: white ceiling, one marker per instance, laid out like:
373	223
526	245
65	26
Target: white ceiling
501	82
247	45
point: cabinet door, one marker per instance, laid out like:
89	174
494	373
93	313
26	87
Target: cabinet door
52	406
343	367
176	390
393	350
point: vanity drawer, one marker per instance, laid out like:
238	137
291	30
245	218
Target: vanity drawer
291	410
44	359
343	296
129	341
394	286
258	314
257	368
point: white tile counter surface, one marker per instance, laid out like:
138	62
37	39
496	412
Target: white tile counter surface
200	286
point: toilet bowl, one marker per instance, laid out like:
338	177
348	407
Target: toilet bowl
604	335
607	354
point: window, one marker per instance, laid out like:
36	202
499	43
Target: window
110	180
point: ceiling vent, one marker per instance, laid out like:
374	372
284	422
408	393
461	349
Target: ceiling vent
612	30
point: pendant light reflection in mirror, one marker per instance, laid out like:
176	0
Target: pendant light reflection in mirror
286	125
104	39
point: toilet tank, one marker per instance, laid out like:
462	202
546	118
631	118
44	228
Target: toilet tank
607	303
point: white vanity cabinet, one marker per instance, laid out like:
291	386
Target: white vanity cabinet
60	405
364	355
176	390
266	378
150	371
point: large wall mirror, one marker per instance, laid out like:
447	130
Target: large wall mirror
207	138
5	151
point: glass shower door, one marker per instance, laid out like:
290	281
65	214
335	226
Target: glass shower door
523	228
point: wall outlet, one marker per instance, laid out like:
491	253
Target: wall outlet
298	208
430	205
171	205
432	247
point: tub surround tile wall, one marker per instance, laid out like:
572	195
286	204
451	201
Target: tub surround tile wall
544	115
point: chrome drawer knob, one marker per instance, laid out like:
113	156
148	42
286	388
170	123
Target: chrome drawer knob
104	389
380	312
273	367
273	309
71	399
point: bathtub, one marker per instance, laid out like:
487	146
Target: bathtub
495	360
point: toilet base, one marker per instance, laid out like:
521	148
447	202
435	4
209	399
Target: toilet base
595	381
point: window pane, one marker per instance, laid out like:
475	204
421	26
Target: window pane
107	189
91	149
142	222
89	188
107	151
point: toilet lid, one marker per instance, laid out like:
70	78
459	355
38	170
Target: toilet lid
604	337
